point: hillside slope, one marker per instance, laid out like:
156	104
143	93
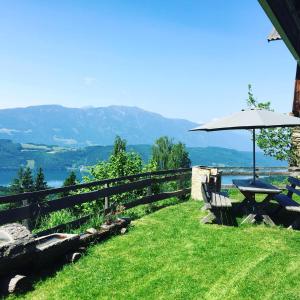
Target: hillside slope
14	155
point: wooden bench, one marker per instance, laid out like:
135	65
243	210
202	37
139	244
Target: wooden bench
219	206
286	201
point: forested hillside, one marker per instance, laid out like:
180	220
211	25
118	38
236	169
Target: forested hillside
14	155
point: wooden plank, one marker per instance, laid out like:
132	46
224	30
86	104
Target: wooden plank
218	200
284	200
293	208
294	181
73	200
21	213
293	190
257	187
267	220
249	219
157	197
15	214
43	193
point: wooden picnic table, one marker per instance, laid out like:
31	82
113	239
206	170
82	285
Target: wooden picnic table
255	210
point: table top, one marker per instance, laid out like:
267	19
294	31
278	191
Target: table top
257	187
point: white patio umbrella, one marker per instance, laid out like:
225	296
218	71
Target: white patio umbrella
251	119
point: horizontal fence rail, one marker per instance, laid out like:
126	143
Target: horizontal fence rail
43	193
33	208
264	171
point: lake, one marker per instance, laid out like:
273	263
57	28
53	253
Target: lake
53	178
56	178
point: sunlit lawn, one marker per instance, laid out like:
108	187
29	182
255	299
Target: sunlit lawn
170	255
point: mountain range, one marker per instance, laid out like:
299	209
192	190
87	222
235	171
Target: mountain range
81	127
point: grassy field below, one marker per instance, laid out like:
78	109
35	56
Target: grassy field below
170	255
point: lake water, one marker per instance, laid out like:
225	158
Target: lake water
53	178
56	178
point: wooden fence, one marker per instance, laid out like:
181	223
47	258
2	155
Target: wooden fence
28	207
263	171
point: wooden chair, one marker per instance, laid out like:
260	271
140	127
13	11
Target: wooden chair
218	205
286	201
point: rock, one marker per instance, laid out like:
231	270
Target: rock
91	231
16	247
18	283
123	230
14	232
107	226
73	257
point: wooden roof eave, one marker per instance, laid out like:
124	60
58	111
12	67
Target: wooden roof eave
279	28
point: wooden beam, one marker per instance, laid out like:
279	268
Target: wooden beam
296	101
43	193
40	209
157	197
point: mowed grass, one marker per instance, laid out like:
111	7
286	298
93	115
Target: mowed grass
170	255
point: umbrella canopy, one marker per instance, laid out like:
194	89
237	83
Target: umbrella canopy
251	119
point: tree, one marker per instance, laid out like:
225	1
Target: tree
40	183
167	155
120	163
23	182
119	145
16	186
179	157
27	180
161	151
70	180
275	142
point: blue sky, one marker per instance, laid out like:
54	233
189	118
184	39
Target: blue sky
188	59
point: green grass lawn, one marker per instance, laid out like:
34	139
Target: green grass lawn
170	255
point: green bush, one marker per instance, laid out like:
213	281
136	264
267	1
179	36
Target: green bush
54	219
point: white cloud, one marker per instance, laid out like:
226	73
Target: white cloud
65	141
8	131
88	80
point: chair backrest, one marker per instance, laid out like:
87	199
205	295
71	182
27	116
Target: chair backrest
294	182
206	194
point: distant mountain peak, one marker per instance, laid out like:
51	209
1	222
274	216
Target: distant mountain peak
56	124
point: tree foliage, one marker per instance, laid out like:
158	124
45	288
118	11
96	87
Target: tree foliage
167	155
70	180
120	163
25	182
275	142
40	182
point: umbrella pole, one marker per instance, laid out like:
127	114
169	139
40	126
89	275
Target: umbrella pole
253	137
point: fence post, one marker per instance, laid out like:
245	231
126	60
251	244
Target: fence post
26	222
106	200
181	186
149	188
33	203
